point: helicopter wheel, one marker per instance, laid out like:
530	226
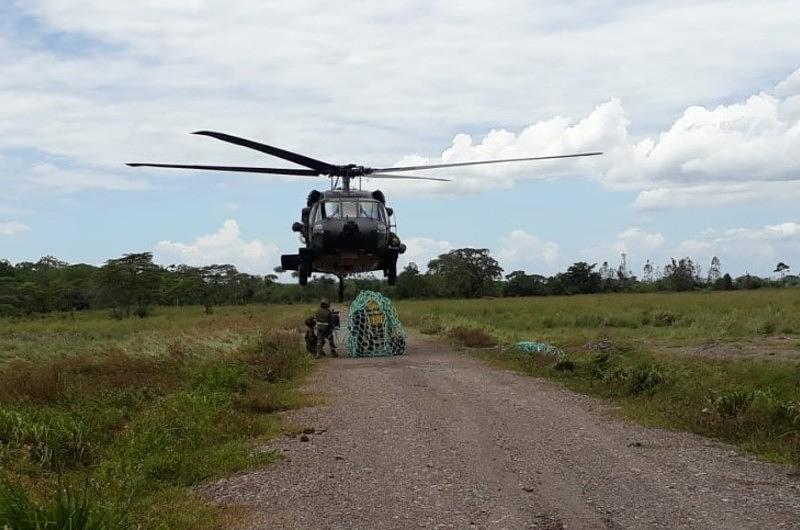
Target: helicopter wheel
302	274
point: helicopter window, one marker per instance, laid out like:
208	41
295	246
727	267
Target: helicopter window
339	209
371	210
364	209
316	214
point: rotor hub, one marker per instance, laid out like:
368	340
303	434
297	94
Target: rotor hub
352	171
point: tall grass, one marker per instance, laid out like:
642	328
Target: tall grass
674	318
145	410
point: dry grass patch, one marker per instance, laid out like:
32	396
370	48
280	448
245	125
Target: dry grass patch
473	337
48	382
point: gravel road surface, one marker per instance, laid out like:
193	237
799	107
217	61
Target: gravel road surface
436	439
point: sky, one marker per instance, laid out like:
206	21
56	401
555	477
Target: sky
696	106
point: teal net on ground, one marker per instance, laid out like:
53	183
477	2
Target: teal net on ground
530	346
373	328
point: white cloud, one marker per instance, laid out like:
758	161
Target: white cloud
521	249
421	250
413	74
760	248
635	239
224	246
717	194
743	240
732	153
12	227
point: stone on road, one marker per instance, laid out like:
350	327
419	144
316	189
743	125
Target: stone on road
436	439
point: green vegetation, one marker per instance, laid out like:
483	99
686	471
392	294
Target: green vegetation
132	284
664	358
105	424
109	422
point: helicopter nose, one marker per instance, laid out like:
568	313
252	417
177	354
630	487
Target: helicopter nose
350	229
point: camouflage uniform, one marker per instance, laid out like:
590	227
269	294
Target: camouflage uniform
324	318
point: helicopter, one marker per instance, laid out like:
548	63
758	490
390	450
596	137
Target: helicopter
344	230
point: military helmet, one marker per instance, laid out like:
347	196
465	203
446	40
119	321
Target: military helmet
324	303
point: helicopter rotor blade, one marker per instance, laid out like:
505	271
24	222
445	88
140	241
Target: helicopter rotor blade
409	177
482	162
270	170
312	163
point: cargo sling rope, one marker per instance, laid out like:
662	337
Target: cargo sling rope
373	328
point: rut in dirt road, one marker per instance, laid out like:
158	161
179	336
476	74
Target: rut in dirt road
435	439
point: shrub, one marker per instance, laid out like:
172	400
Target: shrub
221	377
70	509
565	365
599	365
643	379
767	327
473	337
731	403
276	356
53	440
664	319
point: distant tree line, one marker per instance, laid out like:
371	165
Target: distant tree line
132	284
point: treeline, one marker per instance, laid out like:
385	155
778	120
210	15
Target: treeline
133	284
469	273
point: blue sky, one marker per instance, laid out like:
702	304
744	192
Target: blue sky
696	105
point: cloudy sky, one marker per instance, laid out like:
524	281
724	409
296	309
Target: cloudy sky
696	105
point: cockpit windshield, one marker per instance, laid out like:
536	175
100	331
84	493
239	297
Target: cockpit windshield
351	208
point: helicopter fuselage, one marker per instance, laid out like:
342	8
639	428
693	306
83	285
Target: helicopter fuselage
345	232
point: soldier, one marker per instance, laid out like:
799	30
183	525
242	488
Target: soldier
325	324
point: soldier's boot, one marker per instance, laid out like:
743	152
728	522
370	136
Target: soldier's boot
334	352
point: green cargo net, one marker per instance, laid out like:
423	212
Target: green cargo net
529	346
373	328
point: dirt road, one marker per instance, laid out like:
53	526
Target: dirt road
436	439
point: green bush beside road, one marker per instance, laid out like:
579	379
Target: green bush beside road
107	424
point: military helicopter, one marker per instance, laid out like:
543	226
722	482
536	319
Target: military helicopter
345	230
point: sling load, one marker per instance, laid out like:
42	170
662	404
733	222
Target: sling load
373	327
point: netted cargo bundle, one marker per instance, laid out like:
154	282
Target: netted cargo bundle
529	346
373	328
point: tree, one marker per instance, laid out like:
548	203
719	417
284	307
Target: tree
520	284
714	271
781	268
131	280
581	278
727	282
648	272
466	272
605	272
679	275
624	276
215	278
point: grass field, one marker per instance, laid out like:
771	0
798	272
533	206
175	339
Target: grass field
106	424
671	360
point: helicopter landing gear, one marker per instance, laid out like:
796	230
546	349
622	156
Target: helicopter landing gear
341	289
302	274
